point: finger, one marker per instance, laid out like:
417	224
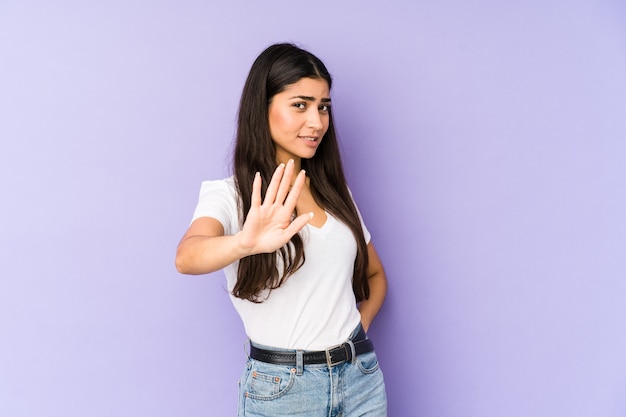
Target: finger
298	223
255	200
294	194
285	182
272	188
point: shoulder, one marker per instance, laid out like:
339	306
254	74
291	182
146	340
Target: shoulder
222	184
224	188
218	199
218	192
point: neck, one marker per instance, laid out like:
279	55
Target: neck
297	166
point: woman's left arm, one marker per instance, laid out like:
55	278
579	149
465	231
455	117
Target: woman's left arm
378	288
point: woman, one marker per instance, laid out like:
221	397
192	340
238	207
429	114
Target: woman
302	272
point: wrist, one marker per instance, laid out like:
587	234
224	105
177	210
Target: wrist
241	247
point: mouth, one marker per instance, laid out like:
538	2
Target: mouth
309	138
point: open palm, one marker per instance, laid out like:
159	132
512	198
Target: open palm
269	224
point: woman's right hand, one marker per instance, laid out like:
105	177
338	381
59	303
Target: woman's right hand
269	224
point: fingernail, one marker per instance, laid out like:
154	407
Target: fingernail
311	215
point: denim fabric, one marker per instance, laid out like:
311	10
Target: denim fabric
349	389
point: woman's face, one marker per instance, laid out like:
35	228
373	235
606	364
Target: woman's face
298	118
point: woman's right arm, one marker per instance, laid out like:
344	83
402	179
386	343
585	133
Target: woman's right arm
268	226
205	249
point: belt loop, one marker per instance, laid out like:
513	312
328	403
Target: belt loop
299	362
352	351
246	347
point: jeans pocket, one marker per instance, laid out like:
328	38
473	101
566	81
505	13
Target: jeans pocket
267	382
367	362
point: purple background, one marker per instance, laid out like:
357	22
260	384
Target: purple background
485	143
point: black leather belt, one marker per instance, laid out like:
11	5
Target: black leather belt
331	356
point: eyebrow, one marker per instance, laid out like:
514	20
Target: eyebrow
309	98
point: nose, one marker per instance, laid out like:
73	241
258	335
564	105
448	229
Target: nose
314	120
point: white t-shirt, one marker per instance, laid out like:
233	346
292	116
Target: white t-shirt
315	307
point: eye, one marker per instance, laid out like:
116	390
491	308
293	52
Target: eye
325	108
301	105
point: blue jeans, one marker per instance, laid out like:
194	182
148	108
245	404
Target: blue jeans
349	389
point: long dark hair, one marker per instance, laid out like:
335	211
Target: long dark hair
277	67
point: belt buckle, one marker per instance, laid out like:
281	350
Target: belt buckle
329	355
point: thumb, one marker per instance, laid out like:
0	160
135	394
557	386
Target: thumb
298	223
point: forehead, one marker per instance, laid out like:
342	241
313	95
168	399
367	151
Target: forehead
311	87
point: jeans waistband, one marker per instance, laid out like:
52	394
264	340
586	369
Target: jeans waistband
345	352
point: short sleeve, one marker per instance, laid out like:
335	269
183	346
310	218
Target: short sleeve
218	199
366	233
